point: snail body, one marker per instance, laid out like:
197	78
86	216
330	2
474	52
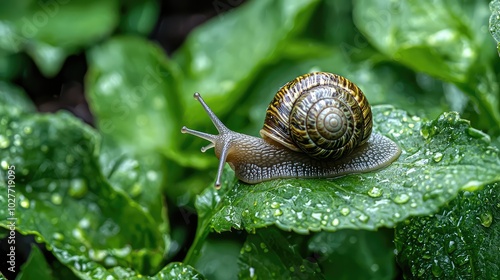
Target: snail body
318	125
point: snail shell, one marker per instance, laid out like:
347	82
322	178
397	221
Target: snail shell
318	125
322	114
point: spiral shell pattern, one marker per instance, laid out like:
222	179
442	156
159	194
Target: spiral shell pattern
322	114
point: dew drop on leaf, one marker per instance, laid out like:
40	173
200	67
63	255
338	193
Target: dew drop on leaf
375	192
486	219
345	211
58	236
316	216
275	205
436	269
78	188
247	248
402	198
363	218
84	223
277	212
24	202
27	130
452	246
335	222
437	157
4	142
4	165
56	199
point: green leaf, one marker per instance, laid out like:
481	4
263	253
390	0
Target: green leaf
423	179
455	47
274	254
14	101
219	258
461	241
354	254
63	199
41	28
36	267
495	20
139	16
220	58
132	92
446	48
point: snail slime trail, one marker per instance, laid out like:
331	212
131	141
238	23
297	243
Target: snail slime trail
318	125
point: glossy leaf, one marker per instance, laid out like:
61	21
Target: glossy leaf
354	254
495	21
63	199
274	254
461	241
423	179
36	267
132	92
456	47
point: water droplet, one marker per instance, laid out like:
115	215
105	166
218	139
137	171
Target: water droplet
152	175
56	199
375	192
24	202
363	218
413	204
110	261
78	188
437	157
58	236
4	165
436	269
278	212
345	211
28	129
77	233
316	216
397	215
335	222
122	252
4	142
402	198
97	255
452	246
247	248
275	205
486	219
84	223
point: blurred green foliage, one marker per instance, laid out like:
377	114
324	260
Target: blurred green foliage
94	197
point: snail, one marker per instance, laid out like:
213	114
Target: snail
318	125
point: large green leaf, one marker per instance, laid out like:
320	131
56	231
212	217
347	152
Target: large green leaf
274	254
63	199
49	31
495	21
220	58
423	179
456	47
354	254
133	93
461	241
